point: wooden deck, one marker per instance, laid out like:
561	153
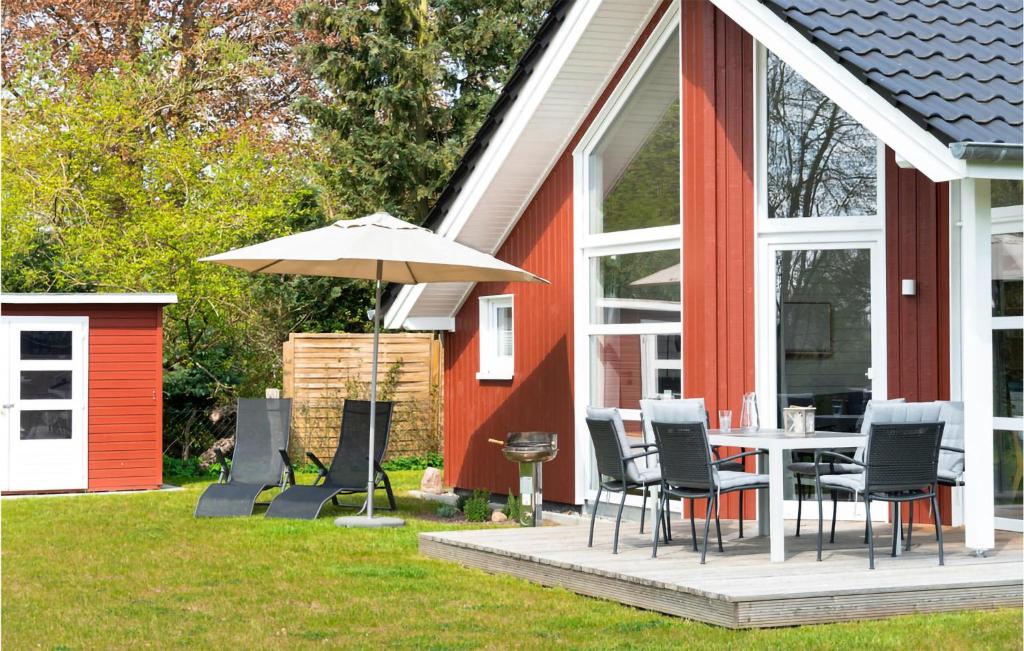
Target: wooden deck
740	588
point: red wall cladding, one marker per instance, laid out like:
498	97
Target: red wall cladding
917	246
125	391
540	397
718	215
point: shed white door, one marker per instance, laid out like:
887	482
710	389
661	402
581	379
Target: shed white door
43	386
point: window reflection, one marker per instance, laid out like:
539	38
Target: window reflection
821	162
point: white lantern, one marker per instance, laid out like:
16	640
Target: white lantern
798	421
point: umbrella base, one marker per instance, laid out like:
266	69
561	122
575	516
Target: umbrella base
363	522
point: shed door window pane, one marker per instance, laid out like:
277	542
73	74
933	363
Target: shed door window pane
45	344
45	385
821	162
636	165
48	424
497	336
503	330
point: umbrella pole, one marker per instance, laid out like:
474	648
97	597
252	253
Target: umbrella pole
371	474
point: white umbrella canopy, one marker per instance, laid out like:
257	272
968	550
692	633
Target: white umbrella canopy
377	247
352	249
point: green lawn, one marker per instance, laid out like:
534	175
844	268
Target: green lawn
121	571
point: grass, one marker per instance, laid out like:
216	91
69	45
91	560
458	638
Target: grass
138	571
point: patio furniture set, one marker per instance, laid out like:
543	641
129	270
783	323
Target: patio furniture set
904	451
260	461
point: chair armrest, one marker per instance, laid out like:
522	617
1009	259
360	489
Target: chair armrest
643	445
640	454
818	454
224	470
288	469
948	448
734	457
319	464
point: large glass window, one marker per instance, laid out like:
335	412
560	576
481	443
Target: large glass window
635	167
823	300
1008	346
820	161
636	287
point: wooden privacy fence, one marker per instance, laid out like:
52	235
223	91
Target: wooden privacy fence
322	370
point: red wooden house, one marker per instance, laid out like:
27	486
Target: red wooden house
82	391
819	202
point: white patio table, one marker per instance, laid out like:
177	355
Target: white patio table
777	444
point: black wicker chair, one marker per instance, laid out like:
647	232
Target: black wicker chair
689	471
617	470
262	427
901	465
348	470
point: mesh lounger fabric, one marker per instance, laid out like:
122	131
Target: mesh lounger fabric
262	428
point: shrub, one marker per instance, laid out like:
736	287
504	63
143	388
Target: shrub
188	468
513	507
478	507
447	511
433	460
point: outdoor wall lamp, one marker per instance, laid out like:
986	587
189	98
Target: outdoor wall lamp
909	287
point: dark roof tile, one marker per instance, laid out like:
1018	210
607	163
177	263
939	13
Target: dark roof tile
955	66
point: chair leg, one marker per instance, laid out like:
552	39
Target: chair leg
693	527
817	496
871	534
390	493
897	527
657	525
835	507
799	504
707	527
718	527
593	516
741	514
618	521
938	522
910	525
334	501
668	519
643	509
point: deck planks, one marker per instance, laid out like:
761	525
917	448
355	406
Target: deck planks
740	588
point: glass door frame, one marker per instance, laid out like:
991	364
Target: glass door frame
810	233
588	246
1006	221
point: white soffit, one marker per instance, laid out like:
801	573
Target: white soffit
561	92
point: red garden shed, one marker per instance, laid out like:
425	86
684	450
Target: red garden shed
81	386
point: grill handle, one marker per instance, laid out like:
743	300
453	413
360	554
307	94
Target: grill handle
496	442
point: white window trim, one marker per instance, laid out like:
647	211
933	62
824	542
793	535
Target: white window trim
588	246
493	366
781	234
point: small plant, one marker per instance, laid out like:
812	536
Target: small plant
478	507
447	511
433	460
188	468
513	507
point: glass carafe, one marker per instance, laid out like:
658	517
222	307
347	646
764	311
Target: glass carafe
749	420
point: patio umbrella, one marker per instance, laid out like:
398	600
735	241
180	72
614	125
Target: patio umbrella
381	248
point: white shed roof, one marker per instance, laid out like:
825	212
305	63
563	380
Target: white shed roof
89	299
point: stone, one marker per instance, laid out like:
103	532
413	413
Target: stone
226	447
431	482
498	516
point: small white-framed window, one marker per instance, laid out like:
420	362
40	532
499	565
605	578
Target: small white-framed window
497	338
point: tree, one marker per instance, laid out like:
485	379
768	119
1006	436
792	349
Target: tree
99	194
89	36
406	86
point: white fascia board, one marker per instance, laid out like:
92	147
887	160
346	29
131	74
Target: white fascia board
430	323
516	121
399	309
917	147
88	299
992	170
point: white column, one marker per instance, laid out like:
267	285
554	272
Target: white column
976	360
